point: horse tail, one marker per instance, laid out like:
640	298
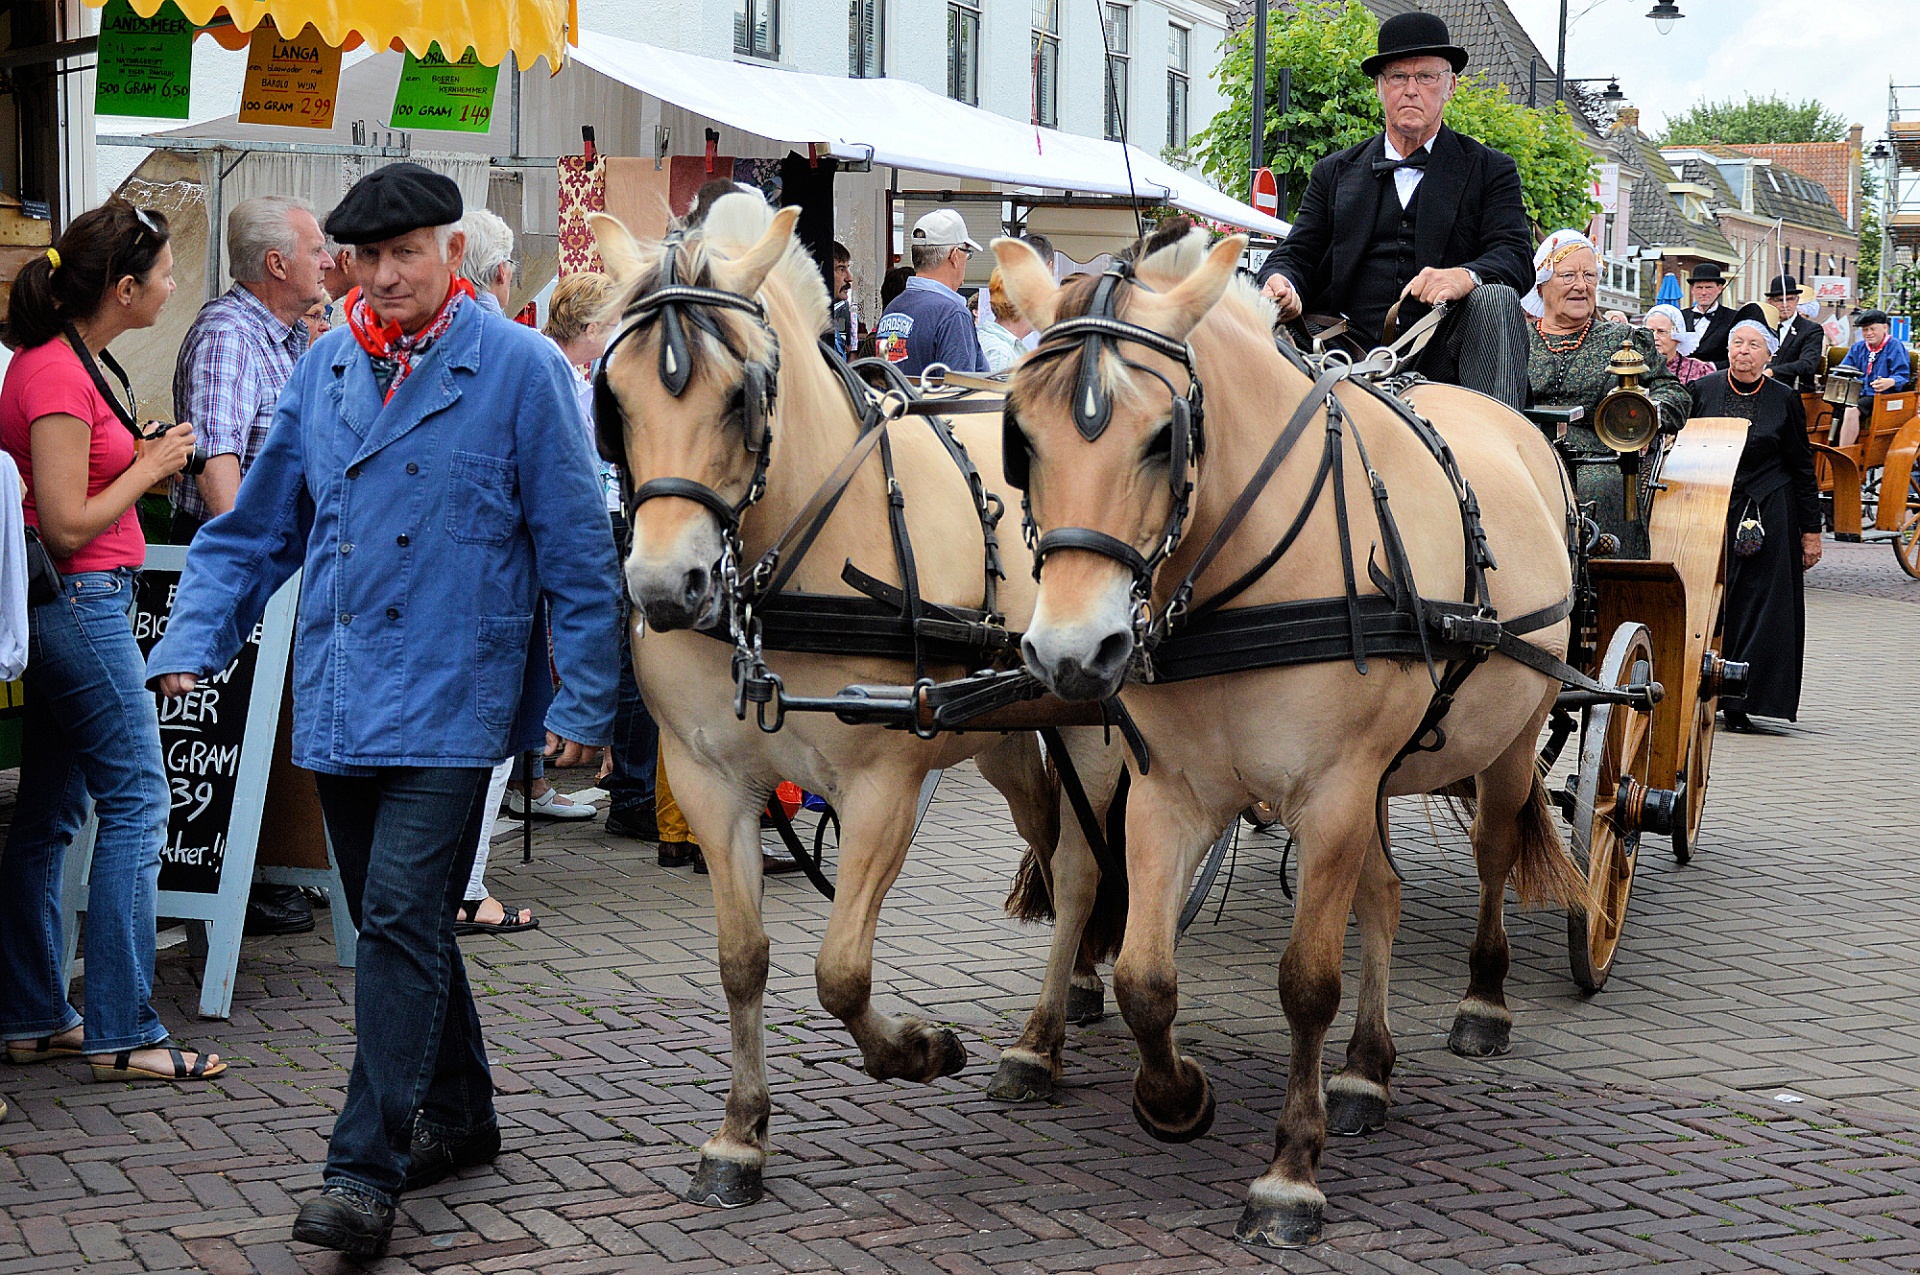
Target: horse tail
1030	897
1543	872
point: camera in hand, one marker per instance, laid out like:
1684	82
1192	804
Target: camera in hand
196	464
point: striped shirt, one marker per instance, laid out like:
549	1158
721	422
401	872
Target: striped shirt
234	362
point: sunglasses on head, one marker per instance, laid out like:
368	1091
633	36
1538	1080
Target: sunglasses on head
148	222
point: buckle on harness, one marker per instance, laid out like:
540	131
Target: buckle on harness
1478	631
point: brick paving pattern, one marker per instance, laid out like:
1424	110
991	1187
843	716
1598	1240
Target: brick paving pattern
1650	1125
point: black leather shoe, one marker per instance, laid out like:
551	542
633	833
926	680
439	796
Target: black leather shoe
638	824
437	1154
345	1220
278	909
677	854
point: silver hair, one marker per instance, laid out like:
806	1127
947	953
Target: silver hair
1767	334
489	246
256	227
930	256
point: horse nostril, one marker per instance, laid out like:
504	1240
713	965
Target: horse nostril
1030	655
1112	652
695	588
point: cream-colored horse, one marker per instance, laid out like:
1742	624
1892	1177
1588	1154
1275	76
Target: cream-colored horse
1316	739
723	769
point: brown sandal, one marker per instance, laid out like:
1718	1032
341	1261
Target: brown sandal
40	1051
123	1070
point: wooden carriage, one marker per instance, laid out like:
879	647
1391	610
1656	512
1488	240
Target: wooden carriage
1871	480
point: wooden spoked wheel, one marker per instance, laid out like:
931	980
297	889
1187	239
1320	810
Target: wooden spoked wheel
1906	543
1616	763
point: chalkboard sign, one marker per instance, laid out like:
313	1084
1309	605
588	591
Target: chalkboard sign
201	734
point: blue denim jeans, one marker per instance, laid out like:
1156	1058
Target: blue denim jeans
404	840
91	729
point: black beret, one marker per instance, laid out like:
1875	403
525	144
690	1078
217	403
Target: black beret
1871	316
391	201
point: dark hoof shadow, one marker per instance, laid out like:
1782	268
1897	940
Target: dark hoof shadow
1021	1080
1282	1226
1476	1037
1350	1115
1086	1004
725	1184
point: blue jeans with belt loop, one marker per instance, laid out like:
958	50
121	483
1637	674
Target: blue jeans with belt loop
404	840
91	729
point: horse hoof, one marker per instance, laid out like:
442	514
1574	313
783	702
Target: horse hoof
725	1184
1021	1080
1478	1036
1280	1225
953	1054
1186	1131
1351	1113
1086	1004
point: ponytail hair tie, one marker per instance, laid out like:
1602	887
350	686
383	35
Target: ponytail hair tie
53	260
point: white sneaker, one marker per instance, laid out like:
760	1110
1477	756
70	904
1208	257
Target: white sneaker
548	805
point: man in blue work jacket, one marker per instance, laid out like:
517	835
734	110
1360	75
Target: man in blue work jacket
929	322
415	471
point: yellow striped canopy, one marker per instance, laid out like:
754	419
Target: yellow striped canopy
530	28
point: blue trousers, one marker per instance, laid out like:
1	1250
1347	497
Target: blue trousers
404	839
636	739
91	730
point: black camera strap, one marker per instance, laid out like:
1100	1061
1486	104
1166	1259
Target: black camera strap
123	412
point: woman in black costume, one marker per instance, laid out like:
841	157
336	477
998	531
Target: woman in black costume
1766	604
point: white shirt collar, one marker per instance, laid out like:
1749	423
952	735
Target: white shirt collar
1427	145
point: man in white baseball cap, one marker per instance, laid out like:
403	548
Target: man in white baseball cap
930	322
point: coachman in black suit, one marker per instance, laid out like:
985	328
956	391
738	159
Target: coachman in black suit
1712	320
1441	219
1803	343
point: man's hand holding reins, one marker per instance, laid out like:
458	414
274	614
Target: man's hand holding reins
1432	287
1280	290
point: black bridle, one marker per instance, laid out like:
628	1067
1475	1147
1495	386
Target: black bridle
675	305
1092	408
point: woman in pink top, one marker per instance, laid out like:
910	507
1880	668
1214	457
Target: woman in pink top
91	728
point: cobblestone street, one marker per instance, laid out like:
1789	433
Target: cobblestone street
1744	1095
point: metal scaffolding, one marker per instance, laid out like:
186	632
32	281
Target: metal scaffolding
1900	223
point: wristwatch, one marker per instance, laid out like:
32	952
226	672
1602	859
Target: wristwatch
1473	275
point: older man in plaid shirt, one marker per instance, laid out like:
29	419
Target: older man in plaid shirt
240	351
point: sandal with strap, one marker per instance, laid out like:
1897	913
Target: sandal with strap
466	919
122	1068
40	1051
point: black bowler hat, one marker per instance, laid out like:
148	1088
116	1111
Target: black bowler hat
1414	35
1783	285
391	201
1706	272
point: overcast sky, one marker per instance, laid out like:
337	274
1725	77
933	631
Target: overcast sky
1841	52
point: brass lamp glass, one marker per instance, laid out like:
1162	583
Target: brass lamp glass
1842	389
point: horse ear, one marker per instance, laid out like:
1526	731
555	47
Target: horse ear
1029	284
1196	294
619	253
745	273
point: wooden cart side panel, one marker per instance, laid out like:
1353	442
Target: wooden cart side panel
1838	470
1896	478
1653	594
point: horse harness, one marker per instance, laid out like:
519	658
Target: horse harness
885	621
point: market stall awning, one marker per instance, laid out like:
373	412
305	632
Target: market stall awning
901	124
531	29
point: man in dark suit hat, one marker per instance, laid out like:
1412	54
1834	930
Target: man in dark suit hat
1712	320
1419	212
1803	343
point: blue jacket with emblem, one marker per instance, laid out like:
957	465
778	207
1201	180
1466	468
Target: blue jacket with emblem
429	529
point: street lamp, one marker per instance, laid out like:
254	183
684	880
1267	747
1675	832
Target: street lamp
1664	15
1883	155
1612	94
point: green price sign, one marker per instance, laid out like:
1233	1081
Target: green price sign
145	64
454	97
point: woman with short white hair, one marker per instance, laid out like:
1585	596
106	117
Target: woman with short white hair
1676	344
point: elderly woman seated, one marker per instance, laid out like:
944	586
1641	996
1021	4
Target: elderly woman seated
1676	344
1569	352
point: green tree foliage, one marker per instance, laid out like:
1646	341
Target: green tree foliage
1756	121
1334	106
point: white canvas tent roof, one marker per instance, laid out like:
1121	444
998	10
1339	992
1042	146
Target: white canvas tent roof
900	123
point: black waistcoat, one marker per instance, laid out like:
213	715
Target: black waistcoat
1387	265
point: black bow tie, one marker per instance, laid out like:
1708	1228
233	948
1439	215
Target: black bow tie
1416	160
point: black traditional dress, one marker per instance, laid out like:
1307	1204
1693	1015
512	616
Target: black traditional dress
1569	371
1766	603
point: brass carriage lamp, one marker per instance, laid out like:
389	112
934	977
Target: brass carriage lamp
1627	420
1841	391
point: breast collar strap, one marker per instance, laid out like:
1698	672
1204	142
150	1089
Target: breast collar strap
1090	334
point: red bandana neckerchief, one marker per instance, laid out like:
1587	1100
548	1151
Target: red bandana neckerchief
388	344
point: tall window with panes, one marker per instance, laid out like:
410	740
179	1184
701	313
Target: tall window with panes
963	53
1117	16
1046	63
756	28
1179	53
866	38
